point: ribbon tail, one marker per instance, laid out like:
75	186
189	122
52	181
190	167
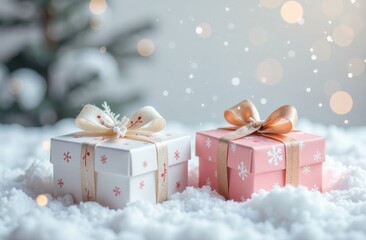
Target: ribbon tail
222	154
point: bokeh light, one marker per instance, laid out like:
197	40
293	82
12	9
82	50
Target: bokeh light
145	47
322	50
42	200
271	3
332	8
353	21
269	71
235	81
355	66
343	35
46	145
98	7
258	36
341	102
292	11
204	30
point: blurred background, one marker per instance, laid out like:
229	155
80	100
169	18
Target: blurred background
188	59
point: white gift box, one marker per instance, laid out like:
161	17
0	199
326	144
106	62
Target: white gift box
125	170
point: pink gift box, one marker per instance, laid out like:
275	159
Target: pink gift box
256	162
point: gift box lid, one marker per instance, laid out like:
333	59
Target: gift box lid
124	157
260	154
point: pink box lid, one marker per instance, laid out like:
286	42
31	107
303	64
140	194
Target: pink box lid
124	157
260	154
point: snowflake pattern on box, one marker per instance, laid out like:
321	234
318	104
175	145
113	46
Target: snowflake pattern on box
317	156
209	158
314	188
208	181
144	164
233	147
177	185
306	170
67	156
242	171
215	174
60	182
301	144
103	159
242	198
177	155
208	142
116	191
275	185
274	155
141	185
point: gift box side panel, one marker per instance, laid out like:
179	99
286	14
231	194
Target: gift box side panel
65	153
240	184
112	190
311	176
179	149
207	175
177	178
66	180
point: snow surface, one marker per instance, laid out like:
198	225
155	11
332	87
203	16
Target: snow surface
283	213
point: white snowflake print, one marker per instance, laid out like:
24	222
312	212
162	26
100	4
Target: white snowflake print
315	188
306	170
208	181
215	174
275	185
301	144
209	158
233	147
275	155
208	142
242	171
242	198
317	156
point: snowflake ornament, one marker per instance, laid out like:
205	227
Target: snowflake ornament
317	156
242	171
208	142
119	126
275	155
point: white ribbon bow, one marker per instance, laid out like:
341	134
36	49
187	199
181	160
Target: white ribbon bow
145	121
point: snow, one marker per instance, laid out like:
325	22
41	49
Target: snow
196	213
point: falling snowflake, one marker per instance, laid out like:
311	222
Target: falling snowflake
315	188
208	142
275	155
103	159
317	156
60	182
141	184
242	171
306	170
301	144
116	191
233	147
67	156
208	181
144	164
177	185
329	39
209	158
242	198
177	155
275	185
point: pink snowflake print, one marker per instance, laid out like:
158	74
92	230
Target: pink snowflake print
163	175
136	122
116	191
177	185
141	185
60	182
176	155
88	197
144	164
67	156
103	159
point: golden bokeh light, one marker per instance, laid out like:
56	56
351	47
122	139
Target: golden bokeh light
258	36
331	86
292	11
322	50
42	200
353	21
271	3
355	66
46	145
97	7
341	102
145	47
343	35
332	8
269	71
204	30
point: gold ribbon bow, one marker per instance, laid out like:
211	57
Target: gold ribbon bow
245	118
139	126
